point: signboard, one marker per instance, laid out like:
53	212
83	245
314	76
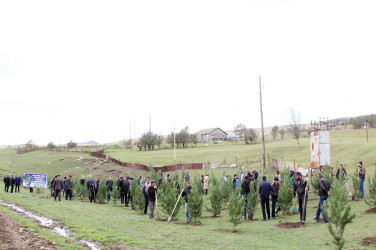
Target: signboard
35	180
320	148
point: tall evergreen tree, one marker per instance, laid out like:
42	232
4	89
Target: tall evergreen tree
235	209
338	213
196	202
215	201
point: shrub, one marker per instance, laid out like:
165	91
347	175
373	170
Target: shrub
169	200
115	194
253	201
285	197
102	190
138	201
355	182
372	192
215	201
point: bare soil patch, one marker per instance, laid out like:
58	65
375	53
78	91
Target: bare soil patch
13	235
371	211
369	241
288	225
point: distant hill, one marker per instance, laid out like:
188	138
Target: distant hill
91	142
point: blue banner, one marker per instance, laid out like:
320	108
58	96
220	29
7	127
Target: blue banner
35	180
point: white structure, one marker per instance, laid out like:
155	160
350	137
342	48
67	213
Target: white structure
320	148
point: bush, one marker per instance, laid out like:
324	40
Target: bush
226	190
338	213
253	201
215	201
198	185
196	202
315	184
235	209
81	191
372	192
115	194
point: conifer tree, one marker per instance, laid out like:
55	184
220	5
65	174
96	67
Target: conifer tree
285	197
315	184
138	202
115	194
355	182
197	184
215	201
169	200
196	202
372	192
235	209
102	192
226	190
253	201
338	213
81	191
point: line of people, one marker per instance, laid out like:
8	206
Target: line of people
12	182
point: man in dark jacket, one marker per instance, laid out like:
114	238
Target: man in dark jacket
94	187
324	192
109	184
301	188
57	186
152	192
245	193
68	188
264	191
6	183
362	177
52	186
144	189
120	188
185	194
12	183
274	193
17	181
125	191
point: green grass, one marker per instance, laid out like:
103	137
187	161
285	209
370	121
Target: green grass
121	227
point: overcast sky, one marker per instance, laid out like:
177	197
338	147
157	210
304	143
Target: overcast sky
85	70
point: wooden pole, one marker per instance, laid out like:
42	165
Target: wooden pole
262	130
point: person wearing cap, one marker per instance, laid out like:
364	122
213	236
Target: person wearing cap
274	193
301	188
245	193
68	188
185	193
144	189
362	177
264	191
152	192
324	192
57	186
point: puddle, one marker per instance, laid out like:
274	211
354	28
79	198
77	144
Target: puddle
46	222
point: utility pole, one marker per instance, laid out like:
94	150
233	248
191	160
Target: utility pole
262	130
174	145
367	127
130	135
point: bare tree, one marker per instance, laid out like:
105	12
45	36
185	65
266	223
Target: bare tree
295	128
239	131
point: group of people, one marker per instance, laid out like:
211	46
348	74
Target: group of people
12	182
58	185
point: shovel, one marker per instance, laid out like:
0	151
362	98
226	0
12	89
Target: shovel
169	218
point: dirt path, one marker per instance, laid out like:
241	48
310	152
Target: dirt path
13	235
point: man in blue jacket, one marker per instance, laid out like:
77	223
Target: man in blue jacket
324	192
264	192
17	181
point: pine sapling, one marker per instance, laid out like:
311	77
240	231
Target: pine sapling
169	200
196	202
138	202
115	194
215	201
338	213
372	192
253	201
355	182
235	209
285	198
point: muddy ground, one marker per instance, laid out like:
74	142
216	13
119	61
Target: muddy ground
13	235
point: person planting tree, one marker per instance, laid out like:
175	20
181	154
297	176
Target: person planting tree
185	193
301	188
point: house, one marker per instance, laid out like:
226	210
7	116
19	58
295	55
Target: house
211	134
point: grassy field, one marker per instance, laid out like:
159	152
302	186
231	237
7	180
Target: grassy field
119	227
